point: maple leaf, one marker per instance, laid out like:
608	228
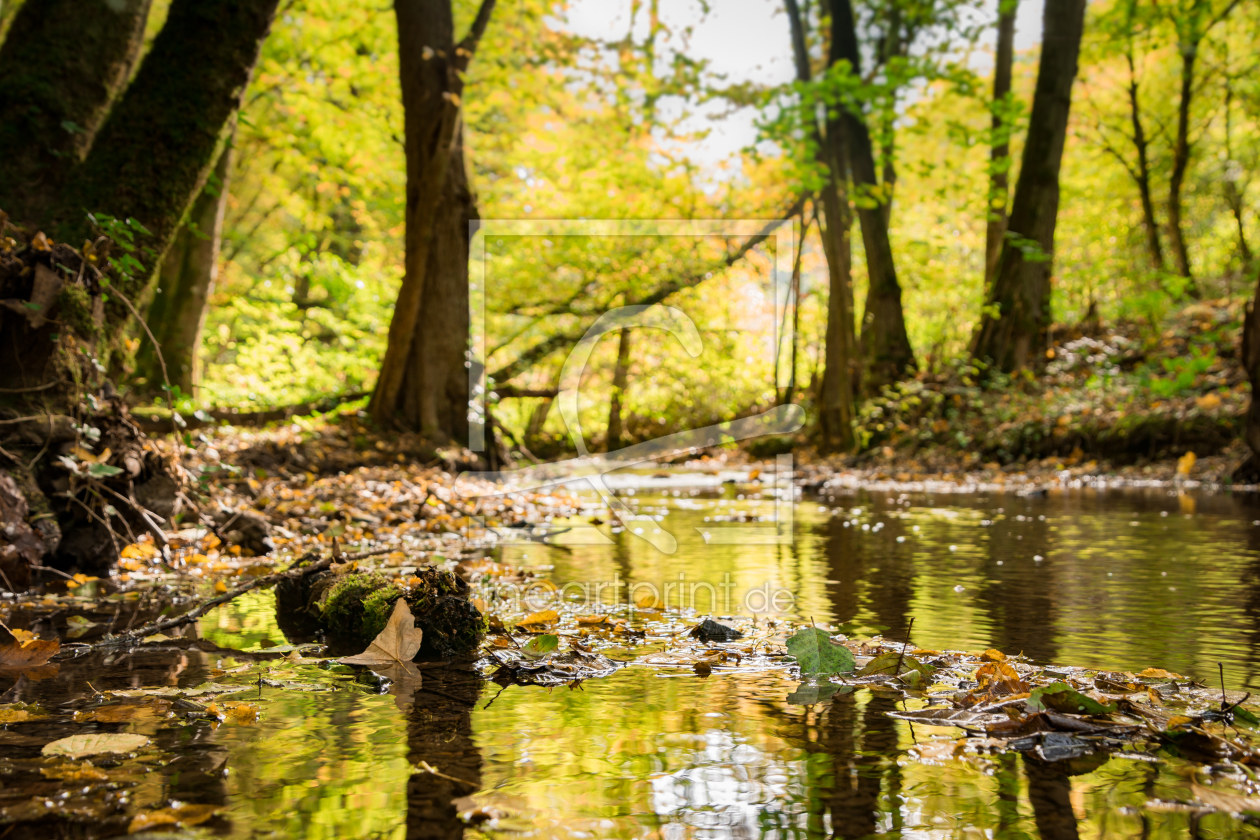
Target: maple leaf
391	652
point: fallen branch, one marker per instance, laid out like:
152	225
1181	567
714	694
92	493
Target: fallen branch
189	617
161	423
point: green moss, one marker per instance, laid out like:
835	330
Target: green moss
74	309
357	607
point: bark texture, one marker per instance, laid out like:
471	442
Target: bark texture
1000	150
177	314
885	344
154	153
1015	336
433	399
61	65
430	65
836	391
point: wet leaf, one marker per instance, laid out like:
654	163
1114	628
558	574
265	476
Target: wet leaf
19	655
894	662
1061	697
816	653
77	625
397	644
540	646
96	743
539	619
179	814
84	772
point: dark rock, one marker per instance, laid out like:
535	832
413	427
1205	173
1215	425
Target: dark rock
710	631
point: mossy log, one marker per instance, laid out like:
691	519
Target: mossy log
350	610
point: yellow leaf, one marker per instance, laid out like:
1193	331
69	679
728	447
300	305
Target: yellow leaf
993	655
649	602
1159	673
592	619
180	814
1186	463
539	619
220	586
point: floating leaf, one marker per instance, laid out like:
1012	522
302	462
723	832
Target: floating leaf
894	662
179	814
540	646
539	619
1061	697
397	643
29	656
816	653
95	743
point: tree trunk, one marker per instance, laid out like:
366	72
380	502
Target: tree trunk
621	373
61	66
1181	162
431	67
1000	150
433	398
1016	338
835	396
1249	471
155	152
885	345
177	314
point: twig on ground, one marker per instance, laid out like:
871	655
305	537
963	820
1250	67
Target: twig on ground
258	583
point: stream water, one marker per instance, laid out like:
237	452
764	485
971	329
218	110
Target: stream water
1117	580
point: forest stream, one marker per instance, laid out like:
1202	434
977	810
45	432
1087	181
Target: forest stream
1116	580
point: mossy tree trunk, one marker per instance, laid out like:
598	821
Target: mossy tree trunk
62	64
1013	330
429	327
885	344
177	314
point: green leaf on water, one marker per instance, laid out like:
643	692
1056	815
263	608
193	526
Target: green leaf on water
1245	716
887	663
814	651
77	625
1061	697
540	646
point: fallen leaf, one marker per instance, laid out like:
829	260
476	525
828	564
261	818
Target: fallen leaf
816	653
1185	463
397	643
179	813
96	743
539	619
27	656
1061	697
540	646
84	772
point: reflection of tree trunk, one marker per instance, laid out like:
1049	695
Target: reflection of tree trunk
177	314
439	732
1017	337
1050	792
1000	152
1013	591
620	376
61	66
858	749
885	345
1006	773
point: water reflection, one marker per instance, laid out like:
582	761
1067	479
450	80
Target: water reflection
1109	580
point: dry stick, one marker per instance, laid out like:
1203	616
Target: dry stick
206	606
902	655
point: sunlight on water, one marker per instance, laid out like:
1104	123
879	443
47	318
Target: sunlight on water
1119	581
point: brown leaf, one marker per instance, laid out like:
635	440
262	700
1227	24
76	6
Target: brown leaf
396	645
16	655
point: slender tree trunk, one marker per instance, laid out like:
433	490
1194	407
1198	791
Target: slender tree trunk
433	398
614	438
431	66
1143	175
61	66
1000	150
1249	471
177	314
1016	338
1181	162
885	345
835	396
